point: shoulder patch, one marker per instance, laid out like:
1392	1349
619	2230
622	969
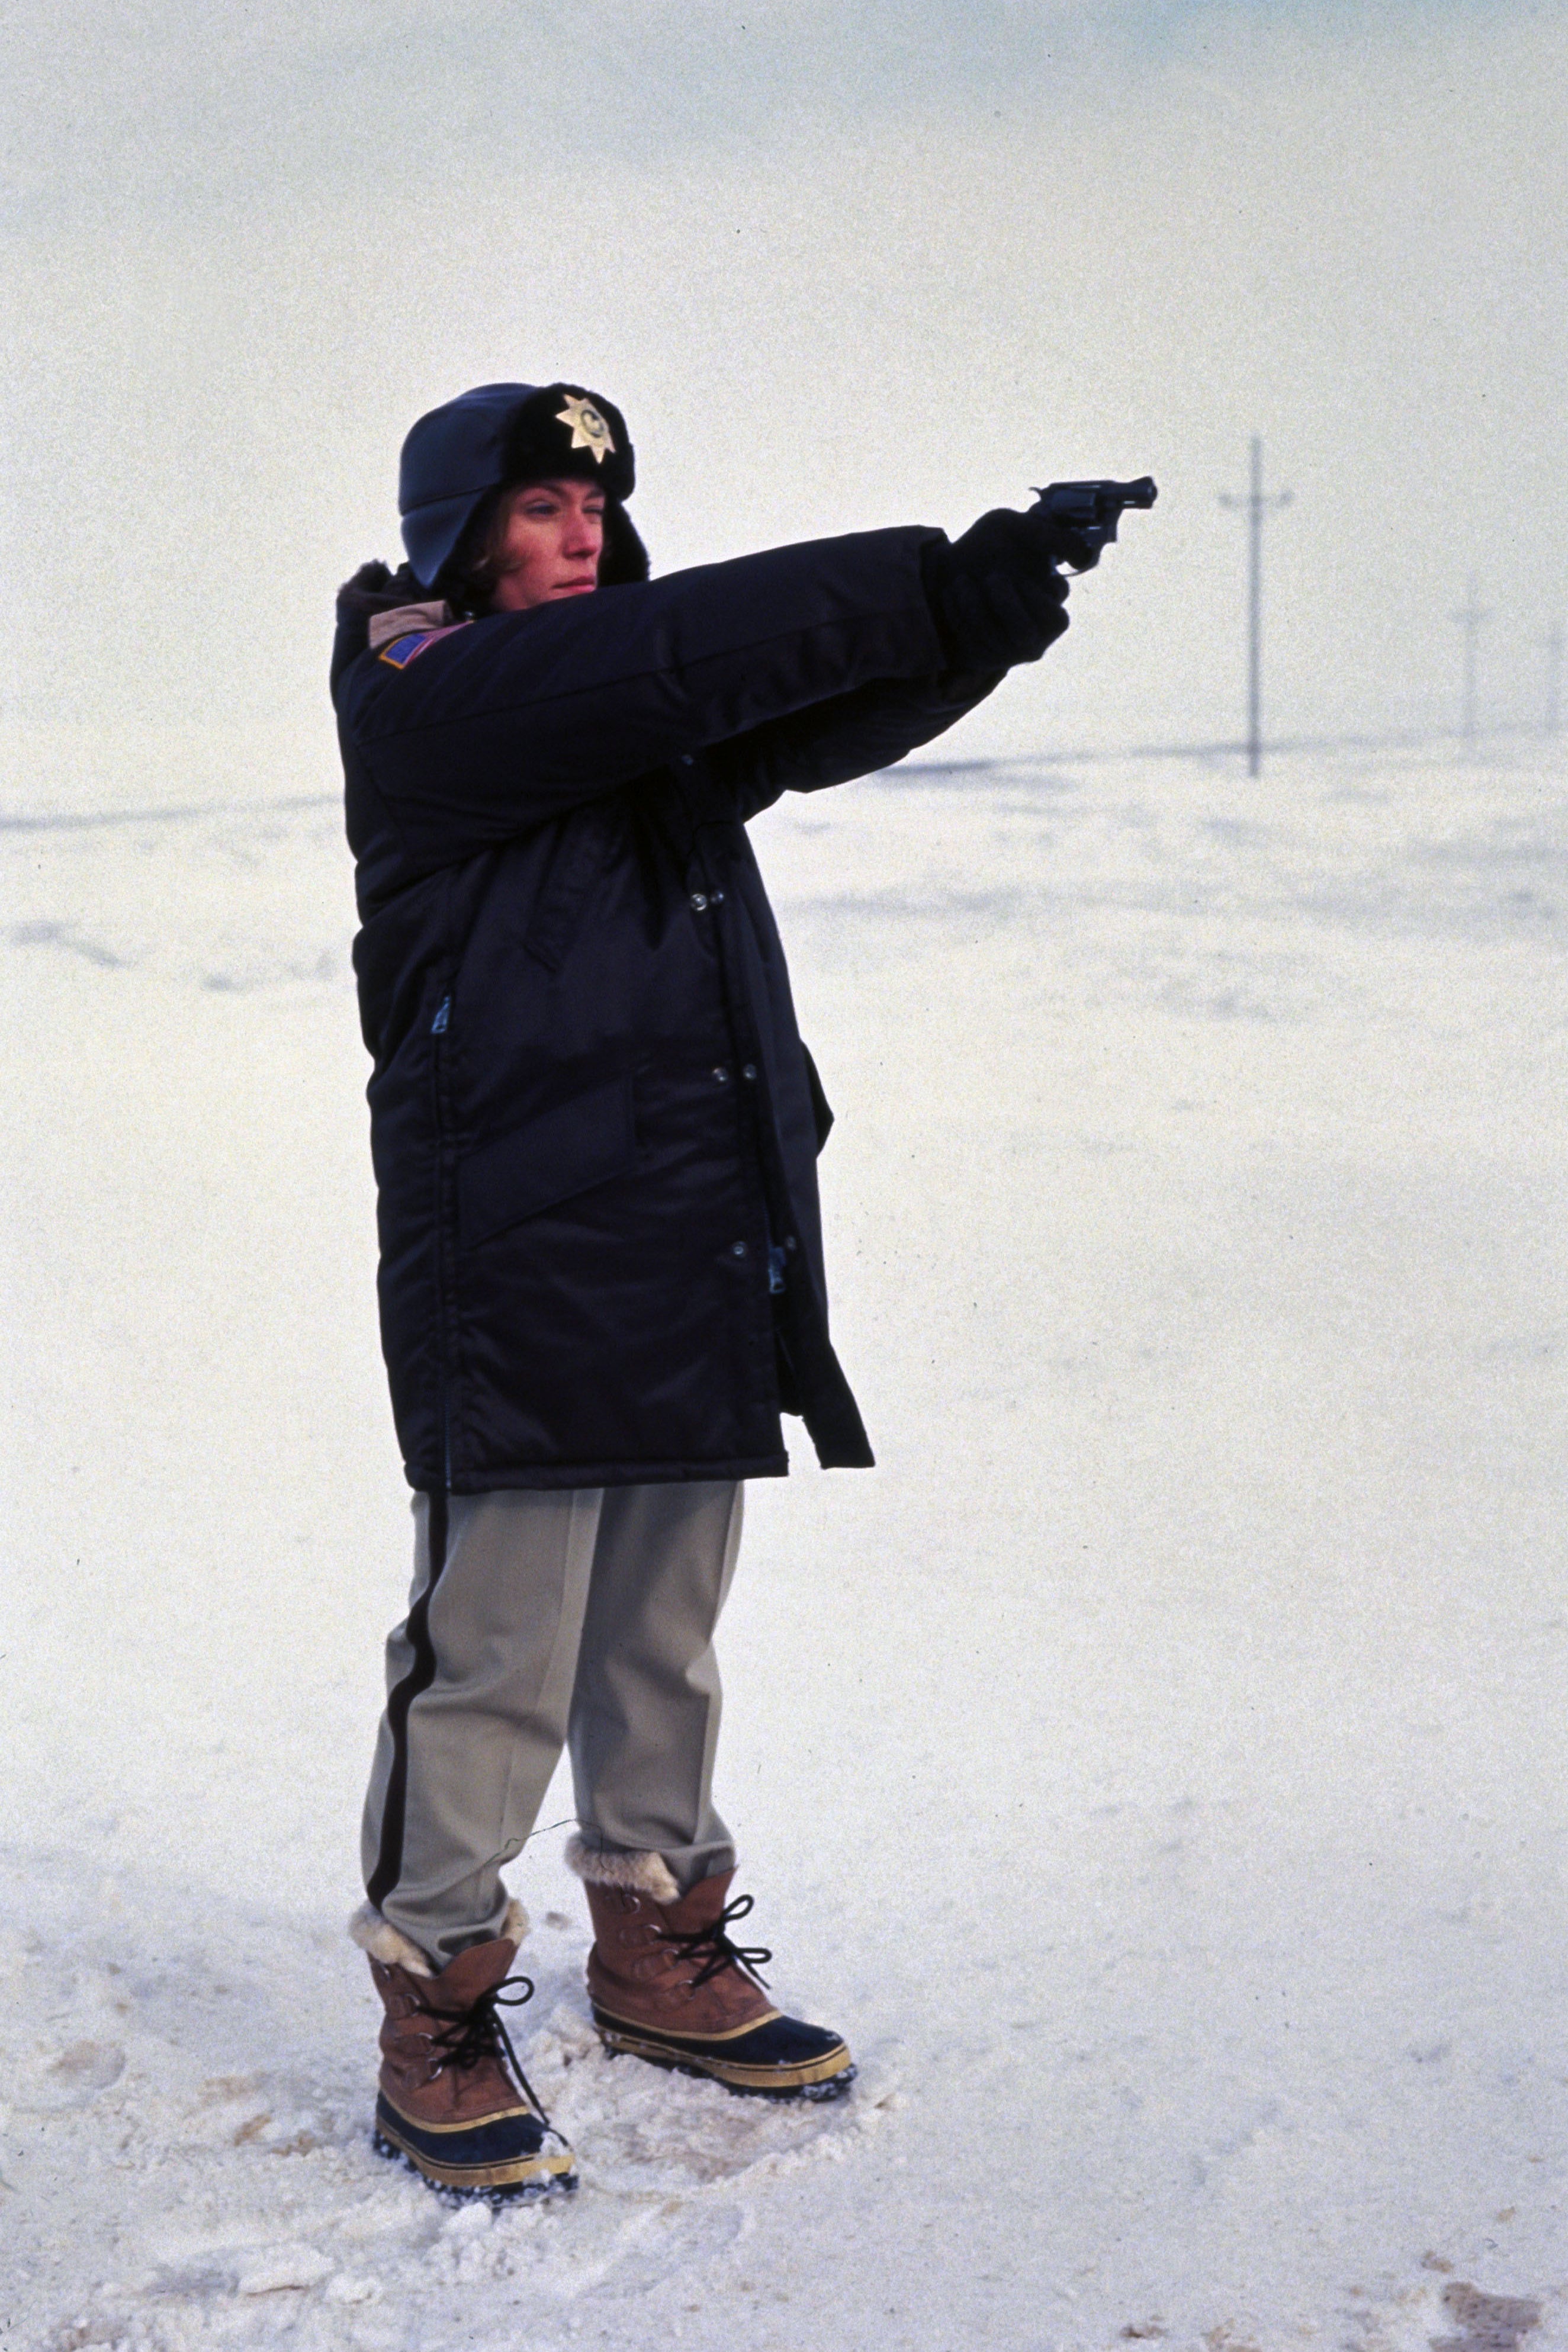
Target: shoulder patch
403	650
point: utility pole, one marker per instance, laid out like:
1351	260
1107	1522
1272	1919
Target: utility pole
1255	506
1471	620
1553	674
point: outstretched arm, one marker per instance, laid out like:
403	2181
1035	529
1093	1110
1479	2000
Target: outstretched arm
513	719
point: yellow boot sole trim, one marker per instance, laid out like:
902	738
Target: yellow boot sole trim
673	2033
740	2078
546	2169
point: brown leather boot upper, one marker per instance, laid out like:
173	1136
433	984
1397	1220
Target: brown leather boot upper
650	1961
441	2060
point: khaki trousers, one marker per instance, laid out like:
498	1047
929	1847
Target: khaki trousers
582	1617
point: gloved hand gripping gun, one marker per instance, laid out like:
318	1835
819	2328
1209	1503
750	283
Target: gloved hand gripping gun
998	594
1080	517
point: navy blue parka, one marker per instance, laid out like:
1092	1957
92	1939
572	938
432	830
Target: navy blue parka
592	1120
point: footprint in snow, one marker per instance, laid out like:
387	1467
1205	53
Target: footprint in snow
69	2077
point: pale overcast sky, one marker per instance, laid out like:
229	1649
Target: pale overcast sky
840	266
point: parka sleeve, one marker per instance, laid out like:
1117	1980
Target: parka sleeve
516	718
851	735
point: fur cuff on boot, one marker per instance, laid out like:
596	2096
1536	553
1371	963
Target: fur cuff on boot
389	1945
639	1874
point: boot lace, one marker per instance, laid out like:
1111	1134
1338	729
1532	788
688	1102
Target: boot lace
477	2033
712	1946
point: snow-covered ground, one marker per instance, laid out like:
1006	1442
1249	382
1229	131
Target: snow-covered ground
1154	1767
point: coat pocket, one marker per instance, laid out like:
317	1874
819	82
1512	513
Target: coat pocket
561	1152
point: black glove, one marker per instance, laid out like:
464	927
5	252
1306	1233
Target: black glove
994	595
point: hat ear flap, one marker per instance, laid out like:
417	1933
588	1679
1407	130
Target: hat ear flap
469	574
625	560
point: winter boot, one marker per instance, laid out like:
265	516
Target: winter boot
452	2100
667	1984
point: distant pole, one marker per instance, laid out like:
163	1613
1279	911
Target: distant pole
1255	506
1471	619
1553	674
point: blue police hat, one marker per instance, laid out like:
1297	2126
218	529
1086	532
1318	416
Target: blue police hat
499	434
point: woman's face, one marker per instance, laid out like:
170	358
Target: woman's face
550	545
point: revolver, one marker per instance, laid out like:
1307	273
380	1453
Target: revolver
1080	517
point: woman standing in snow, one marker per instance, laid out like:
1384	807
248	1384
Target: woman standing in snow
594	1129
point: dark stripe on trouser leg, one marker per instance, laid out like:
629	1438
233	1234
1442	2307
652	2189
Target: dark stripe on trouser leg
419	1677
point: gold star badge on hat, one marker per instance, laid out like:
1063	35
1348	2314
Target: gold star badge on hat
589	430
